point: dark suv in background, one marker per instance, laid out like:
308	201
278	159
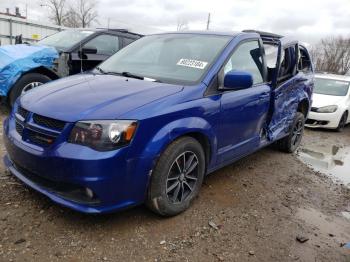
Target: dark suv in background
65	53
86	48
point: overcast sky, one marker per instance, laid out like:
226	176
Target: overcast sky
309	20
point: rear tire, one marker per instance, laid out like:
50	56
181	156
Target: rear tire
177	177
342	122
26	81
291	142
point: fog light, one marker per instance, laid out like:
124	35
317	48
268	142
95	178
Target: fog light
89	193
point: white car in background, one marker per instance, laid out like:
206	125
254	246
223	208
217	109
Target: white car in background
331	102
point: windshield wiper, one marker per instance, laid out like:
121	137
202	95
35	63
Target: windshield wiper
105	72
100	70
128	74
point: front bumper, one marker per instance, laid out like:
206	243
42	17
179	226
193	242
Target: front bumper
65	170
323	120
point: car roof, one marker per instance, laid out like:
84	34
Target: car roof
333	76
116	30
199	32
269	37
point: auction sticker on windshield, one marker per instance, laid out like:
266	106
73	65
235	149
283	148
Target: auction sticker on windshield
192	63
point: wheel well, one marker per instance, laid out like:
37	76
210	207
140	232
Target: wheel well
201	138
204	141
303	107
44	71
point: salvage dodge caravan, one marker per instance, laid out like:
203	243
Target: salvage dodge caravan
150	122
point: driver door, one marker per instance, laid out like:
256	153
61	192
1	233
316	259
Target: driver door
243	112
106	45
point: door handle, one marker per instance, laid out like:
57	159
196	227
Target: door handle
300	79
278	95
264	96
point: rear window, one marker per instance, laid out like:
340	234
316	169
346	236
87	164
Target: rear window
331	87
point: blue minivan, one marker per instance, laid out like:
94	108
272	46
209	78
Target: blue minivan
151	121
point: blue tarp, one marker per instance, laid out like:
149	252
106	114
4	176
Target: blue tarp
18	59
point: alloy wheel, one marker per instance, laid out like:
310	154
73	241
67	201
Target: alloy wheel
182	177
343	121
30	86
297	133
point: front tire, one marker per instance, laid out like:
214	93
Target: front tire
177	177
291	142
25	83
342	122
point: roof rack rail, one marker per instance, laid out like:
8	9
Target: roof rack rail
267	38
122	30
264	34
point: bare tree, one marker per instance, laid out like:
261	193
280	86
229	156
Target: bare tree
72	19
332	55
84	12
182	24
81	14
57	10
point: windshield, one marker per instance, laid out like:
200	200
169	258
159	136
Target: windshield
65	39
331	87
170	58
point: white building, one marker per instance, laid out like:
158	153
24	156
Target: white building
31	31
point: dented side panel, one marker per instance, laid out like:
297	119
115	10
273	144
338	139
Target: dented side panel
286	99
61	65
287	96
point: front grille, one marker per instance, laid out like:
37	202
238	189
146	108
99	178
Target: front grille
48	122
316	122
22	112
19	128
43	133
310	121
40	139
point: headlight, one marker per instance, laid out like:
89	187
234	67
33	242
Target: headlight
103	135
327	109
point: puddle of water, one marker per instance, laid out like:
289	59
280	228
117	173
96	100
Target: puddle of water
325	224
330	160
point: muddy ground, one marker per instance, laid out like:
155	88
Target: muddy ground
252	210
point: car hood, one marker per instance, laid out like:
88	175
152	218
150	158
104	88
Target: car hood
15	60
93	96
320	100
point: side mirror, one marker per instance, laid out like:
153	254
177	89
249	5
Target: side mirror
236	80
89	50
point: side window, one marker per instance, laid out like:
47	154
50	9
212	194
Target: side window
105	44
271	53
127	41
247	57
288	64
304	63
